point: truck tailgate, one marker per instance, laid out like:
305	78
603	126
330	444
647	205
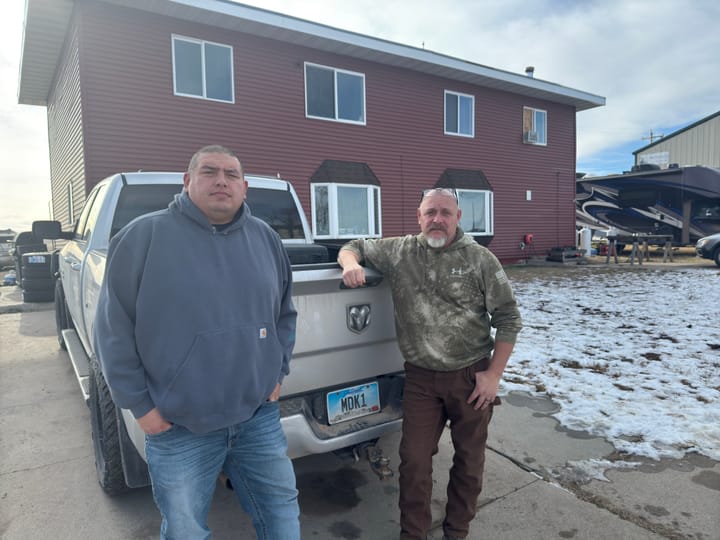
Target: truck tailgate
328	353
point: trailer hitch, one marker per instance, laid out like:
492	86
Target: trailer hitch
379	464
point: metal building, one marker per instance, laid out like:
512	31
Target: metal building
696	144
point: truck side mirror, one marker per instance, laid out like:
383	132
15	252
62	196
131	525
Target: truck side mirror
49	230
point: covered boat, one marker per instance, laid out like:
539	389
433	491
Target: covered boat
683	202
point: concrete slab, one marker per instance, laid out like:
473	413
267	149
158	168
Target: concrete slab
668	496
48	487
524	430
33	386
62	500
677	498
11	301
542	511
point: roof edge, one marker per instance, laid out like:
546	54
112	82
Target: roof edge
47	21
677	132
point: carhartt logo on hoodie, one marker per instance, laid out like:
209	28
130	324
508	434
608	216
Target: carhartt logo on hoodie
263	333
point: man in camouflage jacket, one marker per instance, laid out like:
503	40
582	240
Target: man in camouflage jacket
448	293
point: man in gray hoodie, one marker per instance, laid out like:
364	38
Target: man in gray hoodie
194	331
448	292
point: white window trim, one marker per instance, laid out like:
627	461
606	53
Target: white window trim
202	43
71	205
333	227
335	87
489	211
525	138
472	115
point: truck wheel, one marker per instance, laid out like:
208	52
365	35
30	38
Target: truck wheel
36	284
716	256
43	295
62	317
105	436
36	272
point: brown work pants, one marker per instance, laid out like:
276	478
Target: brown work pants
430	399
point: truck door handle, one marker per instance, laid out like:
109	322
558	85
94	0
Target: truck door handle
73	262
372	281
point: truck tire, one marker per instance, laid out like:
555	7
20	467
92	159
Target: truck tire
62	317
42	295
37	284
36	272
105	436
36	265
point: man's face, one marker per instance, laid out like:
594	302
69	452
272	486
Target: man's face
438	217
217	186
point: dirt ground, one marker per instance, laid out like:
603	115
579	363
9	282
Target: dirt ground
681	256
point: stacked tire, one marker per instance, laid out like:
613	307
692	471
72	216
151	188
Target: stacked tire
38	283
25	242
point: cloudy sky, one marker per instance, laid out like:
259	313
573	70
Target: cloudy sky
656	62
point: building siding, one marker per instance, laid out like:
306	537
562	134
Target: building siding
133	121
65	136
699	145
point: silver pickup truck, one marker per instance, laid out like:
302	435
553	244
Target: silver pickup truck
345	383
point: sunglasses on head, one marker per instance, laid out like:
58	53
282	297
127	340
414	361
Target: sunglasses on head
440	191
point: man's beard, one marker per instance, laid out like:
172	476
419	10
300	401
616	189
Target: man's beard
435	242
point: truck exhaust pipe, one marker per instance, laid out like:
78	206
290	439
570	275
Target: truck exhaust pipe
379	463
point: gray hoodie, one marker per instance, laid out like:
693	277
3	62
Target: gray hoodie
194	321
446	300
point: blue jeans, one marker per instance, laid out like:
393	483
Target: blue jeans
184	468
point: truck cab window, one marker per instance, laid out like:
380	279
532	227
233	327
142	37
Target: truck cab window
80	224
277	209
137	200
92	216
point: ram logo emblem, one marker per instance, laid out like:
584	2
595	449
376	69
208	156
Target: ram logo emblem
358	317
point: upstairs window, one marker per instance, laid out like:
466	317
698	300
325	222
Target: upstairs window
459	114
334	94
202	69
534	126
345	211
477	211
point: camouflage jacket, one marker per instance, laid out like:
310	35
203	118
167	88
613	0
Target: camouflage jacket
446	300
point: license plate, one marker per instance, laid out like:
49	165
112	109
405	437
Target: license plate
352	402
